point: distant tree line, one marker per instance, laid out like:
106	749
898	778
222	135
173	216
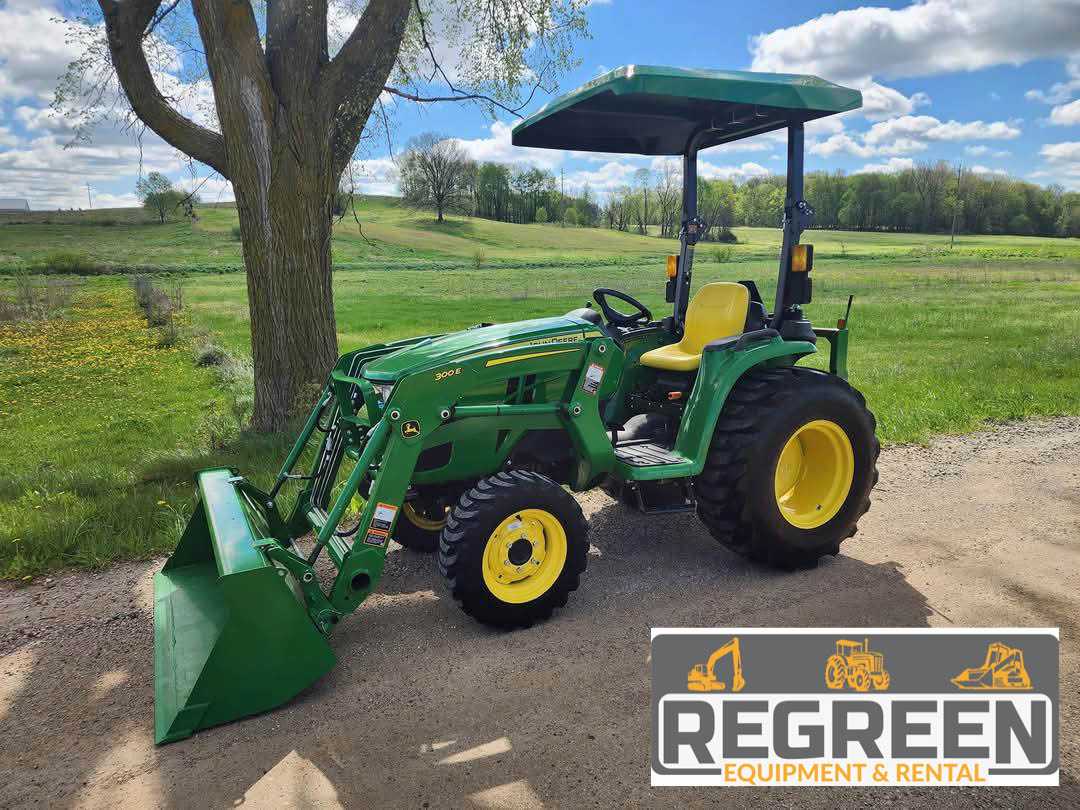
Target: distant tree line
435	173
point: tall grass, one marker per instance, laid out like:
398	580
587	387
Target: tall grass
104	423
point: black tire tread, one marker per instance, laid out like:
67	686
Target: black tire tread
721	502
464	537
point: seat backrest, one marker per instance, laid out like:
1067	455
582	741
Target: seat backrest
718	310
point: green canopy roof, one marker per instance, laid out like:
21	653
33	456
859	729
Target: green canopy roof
649	110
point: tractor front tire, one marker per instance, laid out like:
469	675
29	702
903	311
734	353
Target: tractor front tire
514	549
421	523
790	468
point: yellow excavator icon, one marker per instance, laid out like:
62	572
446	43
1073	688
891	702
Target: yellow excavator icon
702	678
1003	669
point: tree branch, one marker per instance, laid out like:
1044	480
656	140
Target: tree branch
126	21
350	85
456	94
159	16
296	40
463	96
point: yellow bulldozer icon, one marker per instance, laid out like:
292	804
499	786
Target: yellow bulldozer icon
854	665
1003	669
702	678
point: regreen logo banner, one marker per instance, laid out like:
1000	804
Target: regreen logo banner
854	706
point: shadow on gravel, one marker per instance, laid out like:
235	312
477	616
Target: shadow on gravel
426	706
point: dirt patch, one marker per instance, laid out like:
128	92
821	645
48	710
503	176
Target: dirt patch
427	708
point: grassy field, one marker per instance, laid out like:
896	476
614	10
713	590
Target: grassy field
103	426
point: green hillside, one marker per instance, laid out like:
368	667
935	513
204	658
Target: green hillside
392	236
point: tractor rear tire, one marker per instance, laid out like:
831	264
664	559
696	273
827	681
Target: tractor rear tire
750	461
514	549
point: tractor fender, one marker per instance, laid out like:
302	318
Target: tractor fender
722	365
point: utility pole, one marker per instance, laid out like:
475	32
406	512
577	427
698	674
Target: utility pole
956	206
562	198
88	199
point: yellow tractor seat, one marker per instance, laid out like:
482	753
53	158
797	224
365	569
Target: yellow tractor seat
717	311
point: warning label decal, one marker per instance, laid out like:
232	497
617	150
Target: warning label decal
384	516
593	377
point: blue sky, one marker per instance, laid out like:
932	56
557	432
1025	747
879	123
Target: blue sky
994	84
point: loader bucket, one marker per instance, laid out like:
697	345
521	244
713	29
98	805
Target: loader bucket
232	636
977	678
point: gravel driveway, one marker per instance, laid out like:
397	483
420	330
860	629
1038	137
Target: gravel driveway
428	709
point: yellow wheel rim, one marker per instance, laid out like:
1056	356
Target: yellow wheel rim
814	474
422	521
524	556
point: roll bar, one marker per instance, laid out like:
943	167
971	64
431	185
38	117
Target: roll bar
797	217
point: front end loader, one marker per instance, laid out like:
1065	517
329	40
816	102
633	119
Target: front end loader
469	444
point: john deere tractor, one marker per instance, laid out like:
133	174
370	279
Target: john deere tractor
469	444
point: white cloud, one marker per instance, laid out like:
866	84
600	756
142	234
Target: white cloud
829	125
926	127
880	102
980	169
34	50
498	148
845	144
908	134
894	164
1066	114
921	39
1060	92
374	176
609	176
711	171
1061	164
748	145
43	119
981	149
1061	152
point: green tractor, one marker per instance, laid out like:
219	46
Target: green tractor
469	444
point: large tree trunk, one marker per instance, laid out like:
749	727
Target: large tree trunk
281	163
286	237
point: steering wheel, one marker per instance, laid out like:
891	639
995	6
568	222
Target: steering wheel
614	316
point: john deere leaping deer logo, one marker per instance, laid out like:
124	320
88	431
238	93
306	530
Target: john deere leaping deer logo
1003	669
702	678
853	665
410	429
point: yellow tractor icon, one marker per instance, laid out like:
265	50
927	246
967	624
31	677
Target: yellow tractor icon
1004	669
702	678
855	666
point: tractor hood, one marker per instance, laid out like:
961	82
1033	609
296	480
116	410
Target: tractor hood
431	353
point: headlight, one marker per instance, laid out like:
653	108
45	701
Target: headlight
383	391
